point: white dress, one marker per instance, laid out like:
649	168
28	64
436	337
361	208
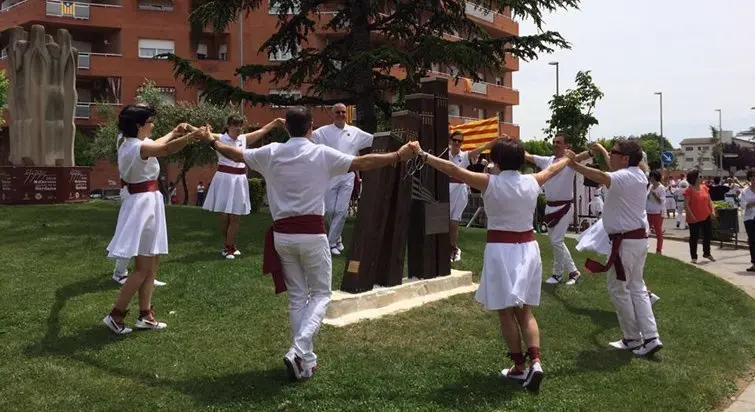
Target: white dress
511	272
228	192
141	228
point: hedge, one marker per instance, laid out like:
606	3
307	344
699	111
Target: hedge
256	193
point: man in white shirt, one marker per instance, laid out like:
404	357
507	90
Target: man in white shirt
624	219
681	186
559	194
346	139
458	191
298	173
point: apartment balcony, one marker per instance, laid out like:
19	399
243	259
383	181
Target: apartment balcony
94	94
480	90
496	23
96	13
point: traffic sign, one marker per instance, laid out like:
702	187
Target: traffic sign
667	158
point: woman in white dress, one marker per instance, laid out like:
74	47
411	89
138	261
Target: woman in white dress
512	268
141	230
229	189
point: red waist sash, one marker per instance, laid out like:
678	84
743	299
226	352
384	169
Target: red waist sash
142	187
271	262
502	236
553	218
232	170
615	260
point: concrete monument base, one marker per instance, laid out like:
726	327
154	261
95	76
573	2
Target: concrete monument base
347	308
36	185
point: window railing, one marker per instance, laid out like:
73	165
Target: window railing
84	60
479	88
83	111
79	11
480	12
4	54
9	4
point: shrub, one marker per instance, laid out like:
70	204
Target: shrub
256	193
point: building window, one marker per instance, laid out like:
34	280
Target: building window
201	51
454	110
689	149
167	94
481	113
273	8
294	94
159	5
281	55
498	81
689	159
149	48
223	52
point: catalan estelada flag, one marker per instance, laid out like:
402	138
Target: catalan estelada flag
478	133
67	8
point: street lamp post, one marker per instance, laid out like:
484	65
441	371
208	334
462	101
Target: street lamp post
720	145
556	64
660	94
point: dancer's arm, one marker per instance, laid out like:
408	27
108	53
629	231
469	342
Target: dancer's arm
177	132
160	149
596	175
377	160
597	148
476	180
232	152
258	134
487	146
550	171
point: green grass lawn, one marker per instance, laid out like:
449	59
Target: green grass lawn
227	333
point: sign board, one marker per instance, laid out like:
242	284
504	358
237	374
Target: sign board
667	157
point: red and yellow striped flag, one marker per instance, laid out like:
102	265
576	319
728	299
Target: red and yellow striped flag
478	133
351	114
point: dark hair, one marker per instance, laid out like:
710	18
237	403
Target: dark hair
750	174
561	135
508	155
298	121
632	149
717	180
132	117
234	120
656	175
692	176
456	133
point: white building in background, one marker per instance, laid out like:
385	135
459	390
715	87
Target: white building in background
697	152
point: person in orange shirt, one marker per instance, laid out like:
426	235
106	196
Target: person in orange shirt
699	212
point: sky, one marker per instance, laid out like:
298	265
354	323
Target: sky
699	54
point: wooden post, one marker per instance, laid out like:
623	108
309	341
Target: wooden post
366	251
438	87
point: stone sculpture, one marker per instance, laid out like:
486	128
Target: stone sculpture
42	97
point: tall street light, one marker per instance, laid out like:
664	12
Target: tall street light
660	94
555	64
720	144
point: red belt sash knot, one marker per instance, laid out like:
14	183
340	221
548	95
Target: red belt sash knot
232	170
271	262
502	236
552	219
142	187
614	259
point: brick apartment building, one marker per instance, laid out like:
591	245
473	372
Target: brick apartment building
117	39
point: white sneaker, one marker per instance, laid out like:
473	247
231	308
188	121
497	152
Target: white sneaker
335	251
649	348
236	252
120	277
553	280
293	366
118	328
573	278
457	257
159	283
534	378
625	344
513	373
653	298
340	247
147	323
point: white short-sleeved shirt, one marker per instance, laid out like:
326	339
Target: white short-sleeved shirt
461	159
239	142
624	208
561	185
748	195
131	166
297	174
510	200
349	140
653	205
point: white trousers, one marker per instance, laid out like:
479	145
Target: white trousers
679	210
630	298
562	260
307	270
459	197
337	205
121	266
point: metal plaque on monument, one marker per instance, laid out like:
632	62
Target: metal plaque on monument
41	104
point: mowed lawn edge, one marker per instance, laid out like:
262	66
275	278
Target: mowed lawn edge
227	332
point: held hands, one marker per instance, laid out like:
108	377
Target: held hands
596	148
570	155
408	150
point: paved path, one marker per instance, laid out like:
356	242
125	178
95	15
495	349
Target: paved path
669	225
730	265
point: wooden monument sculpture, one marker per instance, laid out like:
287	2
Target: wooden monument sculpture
403	214
42	103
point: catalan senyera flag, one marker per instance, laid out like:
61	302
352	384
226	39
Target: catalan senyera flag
478	133
67	8
351	114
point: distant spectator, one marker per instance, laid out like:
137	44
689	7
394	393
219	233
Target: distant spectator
748	204
699	212
717	190
200	193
